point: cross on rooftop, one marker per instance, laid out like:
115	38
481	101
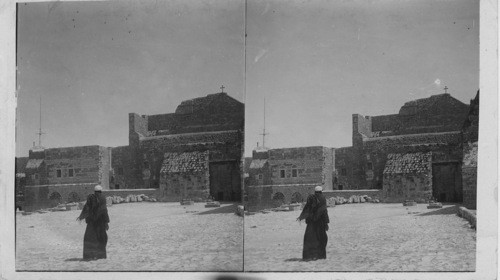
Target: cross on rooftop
445	89
222	88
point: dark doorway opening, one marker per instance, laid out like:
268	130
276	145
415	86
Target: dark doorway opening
225	180
447	182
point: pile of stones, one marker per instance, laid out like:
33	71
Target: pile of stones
212	204
130	198
409	203
338	200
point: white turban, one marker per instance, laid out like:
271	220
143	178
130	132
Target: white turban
98	188
318	189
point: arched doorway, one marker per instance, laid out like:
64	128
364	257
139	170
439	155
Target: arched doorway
297	198
55	199
278	199
73	197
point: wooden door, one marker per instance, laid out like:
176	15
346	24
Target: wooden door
225	181
447	182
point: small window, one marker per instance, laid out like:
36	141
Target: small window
282	173
117	186
343	171
369	166
36	176
260	176
294	172
70	172
59	173
341	187
120	170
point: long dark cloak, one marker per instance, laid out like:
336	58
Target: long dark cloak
315	237
96	216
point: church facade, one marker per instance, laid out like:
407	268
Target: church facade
192	153
428	150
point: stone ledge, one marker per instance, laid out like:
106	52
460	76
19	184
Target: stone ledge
468	215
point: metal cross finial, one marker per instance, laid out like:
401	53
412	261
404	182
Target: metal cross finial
445	89
222	88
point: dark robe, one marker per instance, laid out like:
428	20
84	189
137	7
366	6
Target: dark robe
315	238
97	219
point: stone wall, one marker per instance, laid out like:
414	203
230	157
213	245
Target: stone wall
122	169
222	146
105	167
401	187
469	175
270	196
124	193
177	186
46	196
185	175
445	146
88	164
437	113
328	168
214	112
379	194
305	165
344	162
138	124
361	125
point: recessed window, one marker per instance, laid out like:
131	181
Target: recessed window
282	173
369	166
70	172
343	171
36	176
120	170
294	172
58	173
260	176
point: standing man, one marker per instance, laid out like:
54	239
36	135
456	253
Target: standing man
316	216
95	214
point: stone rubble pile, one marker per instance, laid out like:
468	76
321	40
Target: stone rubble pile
338	200
130	198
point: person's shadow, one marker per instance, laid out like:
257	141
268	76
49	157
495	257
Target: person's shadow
295	260
77	260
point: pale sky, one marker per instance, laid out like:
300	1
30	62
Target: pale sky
95	62
316	63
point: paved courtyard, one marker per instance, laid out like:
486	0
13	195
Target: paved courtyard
142	237
365	237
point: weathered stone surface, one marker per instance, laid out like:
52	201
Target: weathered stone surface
109	201
435	205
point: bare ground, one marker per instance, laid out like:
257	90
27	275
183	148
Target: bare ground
365	237
142	237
